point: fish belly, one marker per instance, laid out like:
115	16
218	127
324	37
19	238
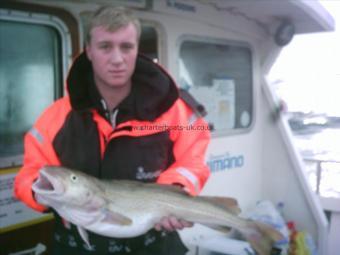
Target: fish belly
140	225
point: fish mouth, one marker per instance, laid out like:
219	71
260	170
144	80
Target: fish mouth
47	184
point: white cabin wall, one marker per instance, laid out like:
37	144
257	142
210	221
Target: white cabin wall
207	14
244	184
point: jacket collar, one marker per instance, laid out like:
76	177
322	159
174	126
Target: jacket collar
153	90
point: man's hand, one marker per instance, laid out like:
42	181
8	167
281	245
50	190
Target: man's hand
171	223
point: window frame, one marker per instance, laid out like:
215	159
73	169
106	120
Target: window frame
225	42
161	38
29	17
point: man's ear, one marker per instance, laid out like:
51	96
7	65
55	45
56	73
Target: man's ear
88	52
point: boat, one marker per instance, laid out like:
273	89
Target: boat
218	50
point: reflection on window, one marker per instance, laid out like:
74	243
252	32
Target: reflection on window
220	77
30	79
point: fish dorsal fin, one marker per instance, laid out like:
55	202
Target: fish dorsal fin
227	203
172	188
115	218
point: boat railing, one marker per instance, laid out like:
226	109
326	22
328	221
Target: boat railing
318	172
329	194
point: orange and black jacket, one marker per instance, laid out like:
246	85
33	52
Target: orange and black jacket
154	136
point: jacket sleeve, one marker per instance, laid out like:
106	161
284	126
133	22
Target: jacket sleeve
38	152
191	136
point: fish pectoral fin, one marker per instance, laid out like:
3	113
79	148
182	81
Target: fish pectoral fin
84	235
228	203
116	218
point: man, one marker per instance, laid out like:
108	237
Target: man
122	119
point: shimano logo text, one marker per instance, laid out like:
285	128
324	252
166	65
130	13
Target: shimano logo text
225	162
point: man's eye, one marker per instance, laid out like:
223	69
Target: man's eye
127	46
104	46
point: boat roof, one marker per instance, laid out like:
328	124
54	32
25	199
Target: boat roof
307	16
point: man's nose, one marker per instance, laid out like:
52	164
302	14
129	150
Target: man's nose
116	56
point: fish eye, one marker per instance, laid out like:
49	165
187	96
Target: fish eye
74	178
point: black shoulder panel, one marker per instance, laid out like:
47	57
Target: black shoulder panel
197	107
77	143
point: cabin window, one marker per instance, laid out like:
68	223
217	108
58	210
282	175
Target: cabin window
219	76
30	80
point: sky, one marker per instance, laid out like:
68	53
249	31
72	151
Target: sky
309	68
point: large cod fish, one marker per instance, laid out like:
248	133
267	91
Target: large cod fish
123	209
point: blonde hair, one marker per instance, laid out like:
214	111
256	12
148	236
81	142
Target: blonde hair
112	18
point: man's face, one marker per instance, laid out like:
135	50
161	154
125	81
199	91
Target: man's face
113	55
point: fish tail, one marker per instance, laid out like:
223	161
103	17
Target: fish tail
261	236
